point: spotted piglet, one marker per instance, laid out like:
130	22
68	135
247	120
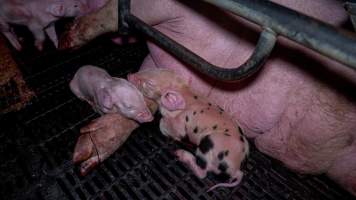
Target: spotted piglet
221	146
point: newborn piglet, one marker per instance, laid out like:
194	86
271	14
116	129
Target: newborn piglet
108	94
221	145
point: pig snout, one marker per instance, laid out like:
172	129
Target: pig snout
144	116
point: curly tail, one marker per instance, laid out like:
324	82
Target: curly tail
238	177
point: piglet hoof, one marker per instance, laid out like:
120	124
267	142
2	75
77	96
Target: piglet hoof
180	154
88	165
124	40
39	46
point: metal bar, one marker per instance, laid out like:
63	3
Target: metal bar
123	10
350	7
264	47
319	36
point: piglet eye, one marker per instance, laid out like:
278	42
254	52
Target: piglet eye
75	6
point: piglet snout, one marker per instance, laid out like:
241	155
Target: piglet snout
145	116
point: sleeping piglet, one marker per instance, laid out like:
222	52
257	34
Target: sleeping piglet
108	94
38	16
221	145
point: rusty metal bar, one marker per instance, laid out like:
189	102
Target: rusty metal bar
334	43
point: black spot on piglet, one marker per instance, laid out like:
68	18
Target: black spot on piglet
223	177
201	162
215	127
221	155
223	167
186	118
195	97
206	144
195	130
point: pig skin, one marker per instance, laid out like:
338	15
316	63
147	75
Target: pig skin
300	108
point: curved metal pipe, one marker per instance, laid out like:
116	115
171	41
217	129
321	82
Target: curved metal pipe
263	49
332	42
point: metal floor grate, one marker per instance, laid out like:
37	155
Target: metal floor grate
37	145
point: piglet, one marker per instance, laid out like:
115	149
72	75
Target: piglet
108	94
221	145
38	16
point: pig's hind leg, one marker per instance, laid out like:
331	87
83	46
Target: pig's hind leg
38	33
197	164
13	40
170	128
51	32
10	35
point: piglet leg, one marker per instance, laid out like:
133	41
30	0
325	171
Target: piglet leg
51	32
39	35
13	40
10	35
191	161
120	40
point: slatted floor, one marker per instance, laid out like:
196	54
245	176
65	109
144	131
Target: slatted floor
37	145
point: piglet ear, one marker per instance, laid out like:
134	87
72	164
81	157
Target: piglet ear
131	77
134	79
56	9
172	100
104	98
